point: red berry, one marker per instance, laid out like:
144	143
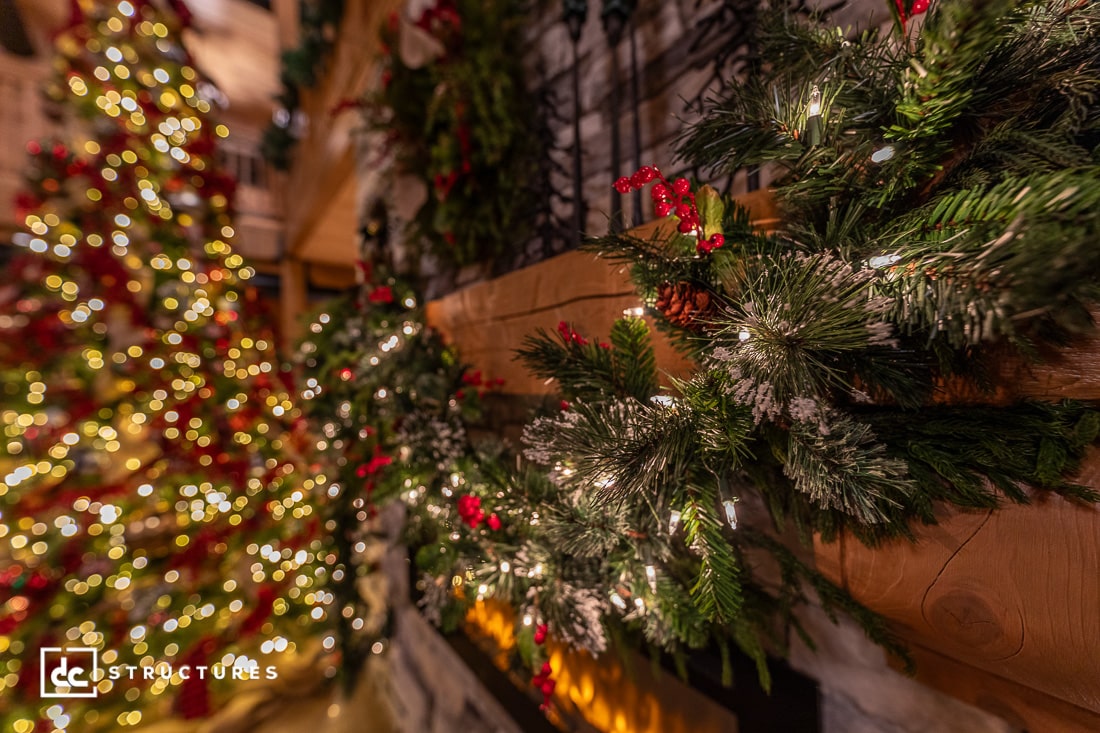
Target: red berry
540	637
659	192
662	208
494	522
623	185
546	669
636	180
647	173
548	687
681	186
683	211
919	6
717	240
564	405
685	227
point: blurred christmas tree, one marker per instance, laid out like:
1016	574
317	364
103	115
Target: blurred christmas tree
151	505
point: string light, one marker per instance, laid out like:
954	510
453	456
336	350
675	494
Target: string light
883	154
813	109
730	506
674	520
813	118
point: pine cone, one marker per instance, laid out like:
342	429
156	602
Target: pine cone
685	305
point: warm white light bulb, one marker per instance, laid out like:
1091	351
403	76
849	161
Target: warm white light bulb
673	521
814	109
730	505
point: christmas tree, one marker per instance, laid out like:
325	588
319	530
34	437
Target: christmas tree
153	503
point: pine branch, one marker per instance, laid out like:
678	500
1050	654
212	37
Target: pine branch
626	448
717	590
953	452
593	371
841	465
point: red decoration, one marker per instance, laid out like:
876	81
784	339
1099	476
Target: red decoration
917	8
569	334
193	699
545	684
494	522
265	604
469	510
673	198
381	294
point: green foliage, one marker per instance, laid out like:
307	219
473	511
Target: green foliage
392	403
465	123
301	67
946	215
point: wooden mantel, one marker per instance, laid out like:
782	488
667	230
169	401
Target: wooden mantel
1001	609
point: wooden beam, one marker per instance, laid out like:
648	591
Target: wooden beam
324	159
287	20
293	299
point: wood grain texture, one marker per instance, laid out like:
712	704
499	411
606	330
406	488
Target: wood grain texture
1025	707
1014	592
490	320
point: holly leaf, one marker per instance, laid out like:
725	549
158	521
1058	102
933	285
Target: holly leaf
711	209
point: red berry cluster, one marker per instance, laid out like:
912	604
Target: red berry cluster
670	199
483	385
570	336
918	7
545	683
381	294
470	511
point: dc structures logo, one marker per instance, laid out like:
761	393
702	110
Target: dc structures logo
68	671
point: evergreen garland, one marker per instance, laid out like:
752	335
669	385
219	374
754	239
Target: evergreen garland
464	122
937	197
301	68
914	244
